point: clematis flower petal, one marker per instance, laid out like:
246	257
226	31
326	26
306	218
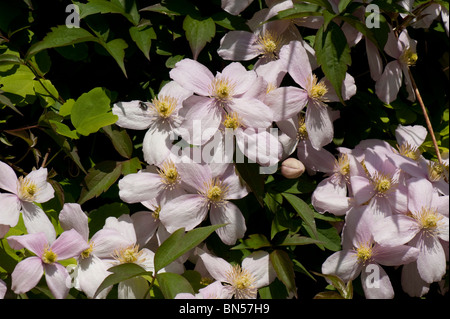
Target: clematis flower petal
389	83
69	244
382	288
286	102
192	76
259	265
33	242
238	46
72	216
230	215
140	187
342	264
132	115
36	221
45	190
26	275
8	179
10	212
56	276
319	124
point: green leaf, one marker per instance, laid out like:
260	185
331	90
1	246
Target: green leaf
18	80
92	111
9	59
345	290
285	269
333	55
46	91
249	173
120	273
120	140
343	5
98	216
172	284
296	239
61	36
304	211
180	243
99	179
116	48
199	31
299	10
66	108
254	241
104	6
63	129
143	37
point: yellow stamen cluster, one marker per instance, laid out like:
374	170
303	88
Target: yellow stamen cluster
269	44
317	90
364	252
222	89
409	57
232	121
130	254
164	106
302	133
215	192
436	171
409	151
429	220
87	253
156	212
242	281
169	174
383	184
27	189
49	257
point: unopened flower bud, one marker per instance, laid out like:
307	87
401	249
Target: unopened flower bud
292	168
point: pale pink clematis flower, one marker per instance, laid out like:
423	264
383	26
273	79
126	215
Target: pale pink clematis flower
159	117
235	7
23	192
91	269
425	227
361	254
211	189
403	50
234	91
213	291
241	281
287	102
29	271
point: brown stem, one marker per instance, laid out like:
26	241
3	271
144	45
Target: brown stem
425	114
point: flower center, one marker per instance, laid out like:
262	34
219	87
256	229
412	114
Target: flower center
156	212
215	192
222	89
409	151
232	121
408	57
49	257
436	171
343	164
383	184
27	189
242	281
364	252
87	253
269	44
130	254
302	132
428	219
169	174
164	106
317	90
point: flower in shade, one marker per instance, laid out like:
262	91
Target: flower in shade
29	271
159	117
23	193
362	255
211	189
425	227
235	7
241	281
3	289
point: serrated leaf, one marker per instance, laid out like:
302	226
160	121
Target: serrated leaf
180	243
304	211
120	140
116	48
199	31
92	111
172	284
61	36
143	37
285	269
120	273
333	55
99	179
104	6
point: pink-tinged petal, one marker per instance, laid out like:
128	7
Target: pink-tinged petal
319	124
139	187
201	119
286	102
36	221
259	146
412	284
57	279
238	46
441	203
217	267
3	289
106	241
389	83
124	225
156	145
380	207
431	262
395	256
72	216
91	273
329	197
348	89
357	227
45	189
145	226
173	89
132	115
230	215
10	212
236	188
69	244
408	165
35	243
376	283
393	46
259	265
185	211
26	275
297	60
362	189
319	160
420	194
194	175
395	230
289	127
398	200
235	7
252	112
192	76
8	178
374	60
240	76
343	264
4	230
413	135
